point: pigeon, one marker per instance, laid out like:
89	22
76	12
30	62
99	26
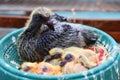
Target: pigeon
35	28
46	30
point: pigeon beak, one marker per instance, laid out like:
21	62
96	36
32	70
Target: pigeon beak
94	38
50	25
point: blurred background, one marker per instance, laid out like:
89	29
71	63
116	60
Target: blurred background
102	14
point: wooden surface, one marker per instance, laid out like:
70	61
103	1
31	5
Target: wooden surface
109	26
13	21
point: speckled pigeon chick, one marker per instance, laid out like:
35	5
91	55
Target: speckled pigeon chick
71	34
33	42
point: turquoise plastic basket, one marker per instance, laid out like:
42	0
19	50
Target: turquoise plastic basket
9	61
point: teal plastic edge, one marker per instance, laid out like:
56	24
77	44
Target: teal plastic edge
68	76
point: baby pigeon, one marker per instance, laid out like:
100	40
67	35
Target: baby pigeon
46	30
37	32
72	34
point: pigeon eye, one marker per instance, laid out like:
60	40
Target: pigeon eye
57	55
68	57
37	17
44	68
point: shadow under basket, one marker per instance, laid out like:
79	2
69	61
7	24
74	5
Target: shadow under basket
10	61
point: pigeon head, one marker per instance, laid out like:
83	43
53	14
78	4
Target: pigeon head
90	36
41	14
40	19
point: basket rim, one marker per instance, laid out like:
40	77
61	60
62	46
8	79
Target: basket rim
95	70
